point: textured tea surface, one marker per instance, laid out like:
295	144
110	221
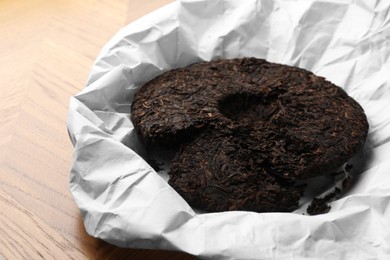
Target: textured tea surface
226	171
248	126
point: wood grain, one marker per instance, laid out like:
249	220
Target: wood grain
39	239
47	48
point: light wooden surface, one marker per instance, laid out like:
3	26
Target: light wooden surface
47	48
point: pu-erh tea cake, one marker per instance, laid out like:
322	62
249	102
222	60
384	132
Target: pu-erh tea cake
248	130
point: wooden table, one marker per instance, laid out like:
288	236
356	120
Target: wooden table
47	48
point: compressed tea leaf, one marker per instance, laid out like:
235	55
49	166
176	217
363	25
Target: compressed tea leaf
269	124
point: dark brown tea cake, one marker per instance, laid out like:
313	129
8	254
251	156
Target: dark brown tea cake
248	129
222	171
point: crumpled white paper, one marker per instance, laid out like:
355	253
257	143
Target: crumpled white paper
125	202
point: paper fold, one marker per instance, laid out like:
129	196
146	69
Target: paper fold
125	202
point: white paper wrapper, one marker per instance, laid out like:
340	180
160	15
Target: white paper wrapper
125	202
